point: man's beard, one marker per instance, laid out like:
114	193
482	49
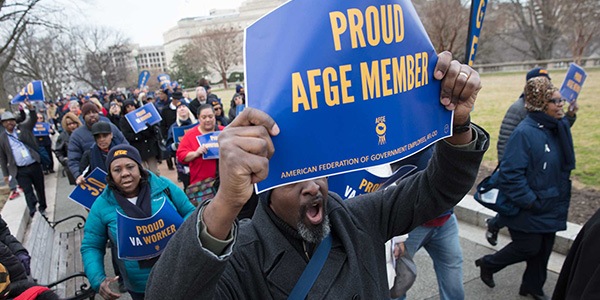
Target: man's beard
315	233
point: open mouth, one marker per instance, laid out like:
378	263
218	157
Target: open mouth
314	212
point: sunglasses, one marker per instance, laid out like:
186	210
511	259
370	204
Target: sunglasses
557	101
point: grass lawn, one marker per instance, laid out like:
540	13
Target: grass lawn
500	90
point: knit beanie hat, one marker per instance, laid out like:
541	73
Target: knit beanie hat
88	107
538	91
123	150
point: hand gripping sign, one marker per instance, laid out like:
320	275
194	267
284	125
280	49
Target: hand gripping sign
350	84
87	192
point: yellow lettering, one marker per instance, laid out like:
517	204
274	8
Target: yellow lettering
331	92
424	64
480	13
313	86
299	96
120	152
385	77
387	24
373	34
370	80
338	26
410	71
472	51
362	183
399	72
345	84
356	23
417	69
399	22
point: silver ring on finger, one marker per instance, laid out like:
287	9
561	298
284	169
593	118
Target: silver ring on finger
462	73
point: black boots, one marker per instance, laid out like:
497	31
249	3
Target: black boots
492	233
486	275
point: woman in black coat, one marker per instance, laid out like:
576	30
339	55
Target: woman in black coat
69	123
146	141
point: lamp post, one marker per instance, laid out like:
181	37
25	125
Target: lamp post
135	53
104	79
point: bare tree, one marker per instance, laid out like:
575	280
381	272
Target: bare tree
15	17
92	50
581	27
220	49
39	57
534	26
446	22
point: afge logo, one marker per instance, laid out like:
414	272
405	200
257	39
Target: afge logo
380	129
120	152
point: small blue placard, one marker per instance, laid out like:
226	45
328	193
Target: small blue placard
349	93
211	142
164	80
179	132
34	91
87	192
146	114
41	129
143	78
574	80
139	239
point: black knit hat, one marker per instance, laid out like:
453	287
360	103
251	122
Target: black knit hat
123	150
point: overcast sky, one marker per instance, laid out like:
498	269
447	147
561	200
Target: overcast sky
144	21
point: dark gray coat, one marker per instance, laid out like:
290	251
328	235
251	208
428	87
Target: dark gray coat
25	133
262	264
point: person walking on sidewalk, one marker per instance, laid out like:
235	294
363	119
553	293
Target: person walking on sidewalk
534	175
20	159
514	115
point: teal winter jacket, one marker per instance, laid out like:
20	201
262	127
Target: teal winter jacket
101	225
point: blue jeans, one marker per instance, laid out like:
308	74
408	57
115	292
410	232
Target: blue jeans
443	245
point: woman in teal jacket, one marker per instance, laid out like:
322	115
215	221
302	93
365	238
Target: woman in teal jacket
139	212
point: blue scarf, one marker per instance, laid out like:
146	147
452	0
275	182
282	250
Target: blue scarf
562	129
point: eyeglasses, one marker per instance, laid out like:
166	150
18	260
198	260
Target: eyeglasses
217	108
557	101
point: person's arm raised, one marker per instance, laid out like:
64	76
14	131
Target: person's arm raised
245	147
460	85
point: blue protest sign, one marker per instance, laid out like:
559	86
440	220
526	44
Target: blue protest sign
348	93
34	91
143	78
87	192
139	239
352	184
179	132
174	84
476	22
139	118
41	129
164	80
211	142
574	80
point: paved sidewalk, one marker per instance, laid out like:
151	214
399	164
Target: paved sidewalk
472	241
